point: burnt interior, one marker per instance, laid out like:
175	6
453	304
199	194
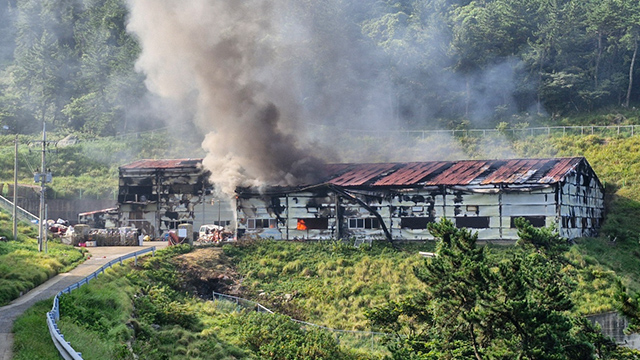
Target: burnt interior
157	197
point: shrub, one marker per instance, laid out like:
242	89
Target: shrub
277	337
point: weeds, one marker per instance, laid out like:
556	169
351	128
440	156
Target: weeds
31	335
328	283
22	267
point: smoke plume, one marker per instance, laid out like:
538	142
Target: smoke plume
265	78
219	57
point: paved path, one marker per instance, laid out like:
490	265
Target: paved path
99	257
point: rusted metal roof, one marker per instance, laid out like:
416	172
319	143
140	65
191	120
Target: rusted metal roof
359	174
412	173
561	169
516	171
465	172
460	173
163	164
428	173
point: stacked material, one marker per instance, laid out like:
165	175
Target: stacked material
84	236
114	237
79	235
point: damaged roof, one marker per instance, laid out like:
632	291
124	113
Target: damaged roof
464	172
427	173
163	164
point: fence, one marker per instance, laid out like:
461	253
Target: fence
365	340
64	348
558	131
124	136
21	213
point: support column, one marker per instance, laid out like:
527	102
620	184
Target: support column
15	190
338	216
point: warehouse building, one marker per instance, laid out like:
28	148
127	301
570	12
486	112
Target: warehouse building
380	201
396	201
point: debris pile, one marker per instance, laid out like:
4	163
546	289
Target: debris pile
115	237
85	236
214	234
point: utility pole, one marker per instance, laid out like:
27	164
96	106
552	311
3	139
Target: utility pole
15	190
43	178
46	230
43	189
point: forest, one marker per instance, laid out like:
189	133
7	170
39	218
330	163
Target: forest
433	63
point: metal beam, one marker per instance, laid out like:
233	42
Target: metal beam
374	212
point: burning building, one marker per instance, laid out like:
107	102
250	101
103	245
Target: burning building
396	201
159	195
386	201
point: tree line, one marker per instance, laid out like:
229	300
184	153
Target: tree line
70	63
565	55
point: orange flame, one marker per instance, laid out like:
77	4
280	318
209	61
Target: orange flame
301	225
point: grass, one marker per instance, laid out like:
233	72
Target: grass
143	311
334	285
22	267
31	334
327	283
102	310
98	317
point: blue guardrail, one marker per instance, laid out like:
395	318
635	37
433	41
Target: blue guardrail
64	348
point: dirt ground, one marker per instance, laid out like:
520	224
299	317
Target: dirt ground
206	270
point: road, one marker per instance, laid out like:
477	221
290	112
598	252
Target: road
99	257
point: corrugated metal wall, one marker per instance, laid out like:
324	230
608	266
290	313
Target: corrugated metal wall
490	212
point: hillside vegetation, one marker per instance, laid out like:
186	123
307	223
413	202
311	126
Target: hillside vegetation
22	267
151	312
161	309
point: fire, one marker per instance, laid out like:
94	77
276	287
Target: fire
301	225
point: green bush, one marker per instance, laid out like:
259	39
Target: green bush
272	336
162	306
98	308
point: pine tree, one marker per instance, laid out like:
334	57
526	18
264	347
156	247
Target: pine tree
479	307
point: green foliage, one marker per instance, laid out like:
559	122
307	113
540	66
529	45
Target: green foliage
72	67
31	335
73	61
101	308
92	344
160	305
22	267
475	305
277	337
